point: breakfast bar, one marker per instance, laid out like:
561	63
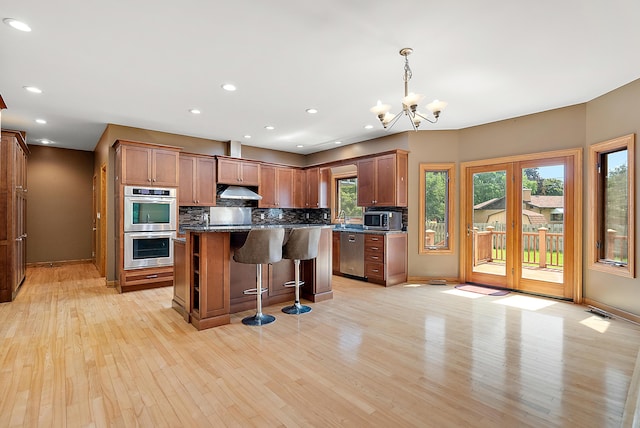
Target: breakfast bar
209	284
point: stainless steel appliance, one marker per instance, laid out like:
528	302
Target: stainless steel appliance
352	253
150	220
382	220
149	209
148	249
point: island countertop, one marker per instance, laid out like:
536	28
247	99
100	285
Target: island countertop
247	227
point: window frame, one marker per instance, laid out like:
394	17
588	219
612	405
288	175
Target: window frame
335	177
450	169
596	195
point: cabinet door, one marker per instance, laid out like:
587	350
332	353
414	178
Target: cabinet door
250	175
323	187
228	171
268	189
279	273
385	181
165	167
136	165
313	185
186	191
366	182
284	184
299	188
205	181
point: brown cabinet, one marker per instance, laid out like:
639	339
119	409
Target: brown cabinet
382	180
318	184
336	253
316	273
13	202
276	187
208	274
180	281
143	279
197	180
300	188
147	164
385	258
238	172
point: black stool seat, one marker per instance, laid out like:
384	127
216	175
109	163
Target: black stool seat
301	245
263	246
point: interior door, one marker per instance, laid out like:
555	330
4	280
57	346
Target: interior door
520	225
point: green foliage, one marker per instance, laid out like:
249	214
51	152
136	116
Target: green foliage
348	197
435	195
489	185
552	187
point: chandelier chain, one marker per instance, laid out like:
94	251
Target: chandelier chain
407	70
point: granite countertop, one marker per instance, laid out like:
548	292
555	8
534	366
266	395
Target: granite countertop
359	229
247	227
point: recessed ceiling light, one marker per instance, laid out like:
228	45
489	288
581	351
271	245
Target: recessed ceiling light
41	121
18	25
311	110
247	136
299	146
270	127
368	127
45	141
338	142
229	87
195	111
33	89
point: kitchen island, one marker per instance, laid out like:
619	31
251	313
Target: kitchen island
211	284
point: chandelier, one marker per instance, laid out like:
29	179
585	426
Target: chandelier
409	103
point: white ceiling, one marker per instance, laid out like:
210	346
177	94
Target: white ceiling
145	63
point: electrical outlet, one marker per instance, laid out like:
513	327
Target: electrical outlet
280	216
261	216
325	216
306	216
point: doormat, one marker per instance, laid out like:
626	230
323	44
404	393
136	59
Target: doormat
482	290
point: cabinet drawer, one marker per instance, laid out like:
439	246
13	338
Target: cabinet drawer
374	270
374	243
374	257
152	277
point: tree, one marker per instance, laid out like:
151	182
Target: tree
435	199
489	185
552	187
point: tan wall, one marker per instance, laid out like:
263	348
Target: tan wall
59	218
613	115
378	145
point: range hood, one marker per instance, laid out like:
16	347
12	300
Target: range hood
239	192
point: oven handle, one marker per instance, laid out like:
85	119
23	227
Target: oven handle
135	235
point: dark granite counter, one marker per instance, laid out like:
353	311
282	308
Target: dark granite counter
248	227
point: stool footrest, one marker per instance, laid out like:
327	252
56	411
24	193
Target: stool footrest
292	284
254	291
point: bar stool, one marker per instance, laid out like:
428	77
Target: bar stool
302	245
261	247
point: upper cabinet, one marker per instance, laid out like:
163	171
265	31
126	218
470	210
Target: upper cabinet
318	180
238	172
276	187
146	164
300	188
382	180
197	180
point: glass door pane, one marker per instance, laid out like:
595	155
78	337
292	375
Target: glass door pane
543	223
489	245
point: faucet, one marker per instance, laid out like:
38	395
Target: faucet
342	214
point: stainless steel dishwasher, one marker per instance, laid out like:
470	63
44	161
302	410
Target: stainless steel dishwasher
352	253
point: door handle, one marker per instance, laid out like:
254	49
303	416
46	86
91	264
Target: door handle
468	230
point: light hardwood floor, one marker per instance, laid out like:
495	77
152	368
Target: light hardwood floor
75	353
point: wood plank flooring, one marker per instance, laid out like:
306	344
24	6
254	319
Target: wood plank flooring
75	353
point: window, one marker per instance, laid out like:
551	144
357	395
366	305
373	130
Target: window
436	208
612	206
346	199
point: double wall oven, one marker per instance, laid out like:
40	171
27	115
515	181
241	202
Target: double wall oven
150	219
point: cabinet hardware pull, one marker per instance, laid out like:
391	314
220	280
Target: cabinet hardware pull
151	276
375	270
374	248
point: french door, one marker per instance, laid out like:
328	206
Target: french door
522	223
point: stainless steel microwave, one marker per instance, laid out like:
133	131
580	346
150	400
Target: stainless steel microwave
382	220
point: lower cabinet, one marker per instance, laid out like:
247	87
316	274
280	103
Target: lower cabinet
180	280
142	279
209	284
385	258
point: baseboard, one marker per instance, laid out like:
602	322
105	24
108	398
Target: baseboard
60	262
427	279
112	284
628	316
